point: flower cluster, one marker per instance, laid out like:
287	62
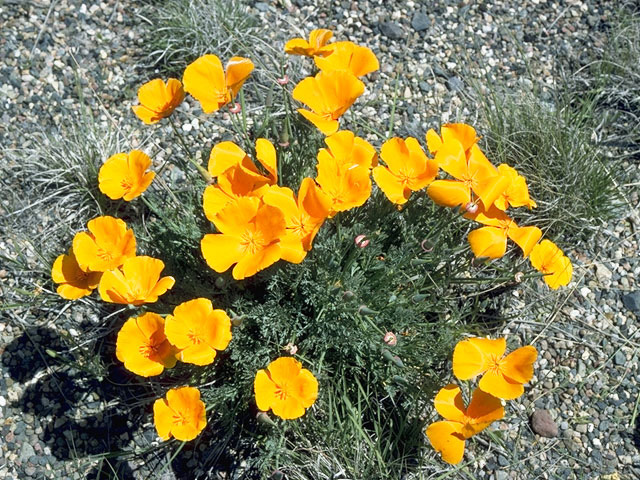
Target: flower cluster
502	379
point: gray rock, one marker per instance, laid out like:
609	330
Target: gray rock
391	30
420	22
632	301
455	84
620	358
543	424
263	7
26	452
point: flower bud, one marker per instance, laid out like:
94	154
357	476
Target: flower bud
348	295
283	81
237	108
264	418
390	339
361	241
236	320
471	207
426	245
518	277
364	310
290	348
219	283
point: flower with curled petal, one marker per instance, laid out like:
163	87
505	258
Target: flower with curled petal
73	282
285	388
206	81
181	415
158	100
315	46
350	57
198	331
143	346
136	282
106	245
448	437
502	376
124	175
547	258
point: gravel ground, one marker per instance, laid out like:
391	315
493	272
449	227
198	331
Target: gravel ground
57	422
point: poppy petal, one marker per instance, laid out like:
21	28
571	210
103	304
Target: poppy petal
488	242
449	404
449	193
220	251
265	390
162	418
445	437
525	237
518	365
499	386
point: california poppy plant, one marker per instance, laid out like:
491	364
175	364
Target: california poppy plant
198	330
124	175
408	169
491	241
158	99
502	376
285	388
73	282
249	237
473	173
137	282
329	94
350	57
106	245
143	346
547	258
181	415
315	46
207	81
448	437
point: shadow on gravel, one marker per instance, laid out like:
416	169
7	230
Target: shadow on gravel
68	402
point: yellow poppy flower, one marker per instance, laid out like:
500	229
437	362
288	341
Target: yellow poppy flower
285	388
547	258
208	83
137	282
74	282
182	415
143	346
350	57
491	241
503	376
448	437
106	246
408	169
249	237
473	174
328	95
158	100
343	170
198	330
463	133
316	45
303	216
517	193
124	175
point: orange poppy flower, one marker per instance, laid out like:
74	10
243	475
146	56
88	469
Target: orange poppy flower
350	57
137	282
473	174
285	388
303	216
198	331
328	95
74	282
547	258
237	175
408	169
491	241
503	375
124	175
250	233
316	45
448	437
182	415
106	246
343	170
208	83
463	133
517	193
158	100
143	347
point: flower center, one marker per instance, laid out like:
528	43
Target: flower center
252	242
126	183
179	418
281	392
194	337
494	364
147	350
104	255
